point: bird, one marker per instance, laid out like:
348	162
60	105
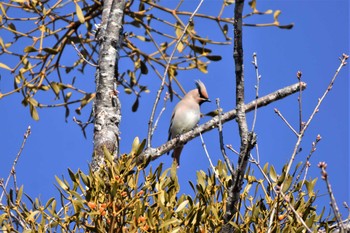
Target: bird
186	115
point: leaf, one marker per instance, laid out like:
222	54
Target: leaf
30	49
49	202
180	47
33	112
107	154
12	26
2	65
141	147
80	13
128	91
214	57
287	183
55	87
19	194
142	38
276	14
50	50
181	206
252	4
169	222
273	174
144	69
202	67
135	106
200	50
72	175
229	2
135	145
225	29
178	30
61	184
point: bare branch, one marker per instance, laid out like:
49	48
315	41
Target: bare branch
154	153
13	168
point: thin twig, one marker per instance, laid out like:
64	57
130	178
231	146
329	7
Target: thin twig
307	161
211	163
166	98
81	55
285	121
299	74
258	77
323	166
150	123
221	138
13	168
306	125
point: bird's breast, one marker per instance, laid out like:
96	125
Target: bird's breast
185	122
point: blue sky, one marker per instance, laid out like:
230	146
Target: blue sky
320	35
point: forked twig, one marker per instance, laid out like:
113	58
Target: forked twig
13	168
306	125
323	166
258	77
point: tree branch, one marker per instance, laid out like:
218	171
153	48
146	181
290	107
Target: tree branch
151	154
248	139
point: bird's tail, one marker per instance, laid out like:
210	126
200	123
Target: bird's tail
176	155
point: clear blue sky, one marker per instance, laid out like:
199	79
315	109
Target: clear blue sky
320	35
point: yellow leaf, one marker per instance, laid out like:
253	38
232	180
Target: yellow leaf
34	112
80	13
276	14
180	47
2	65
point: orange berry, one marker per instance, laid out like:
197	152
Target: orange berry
91	205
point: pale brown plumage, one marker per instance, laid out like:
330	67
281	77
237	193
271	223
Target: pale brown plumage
186	115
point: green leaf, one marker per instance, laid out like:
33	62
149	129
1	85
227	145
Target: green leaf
107	154
128	91
287	183
49	202
135	145
77	205
273	174
141	147
61	184
30	49
172	221
19	194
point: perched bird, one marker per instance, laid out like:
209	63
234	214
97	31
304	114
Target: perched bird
186	115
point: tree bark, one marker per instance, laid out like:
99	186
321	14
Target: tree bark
107	108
